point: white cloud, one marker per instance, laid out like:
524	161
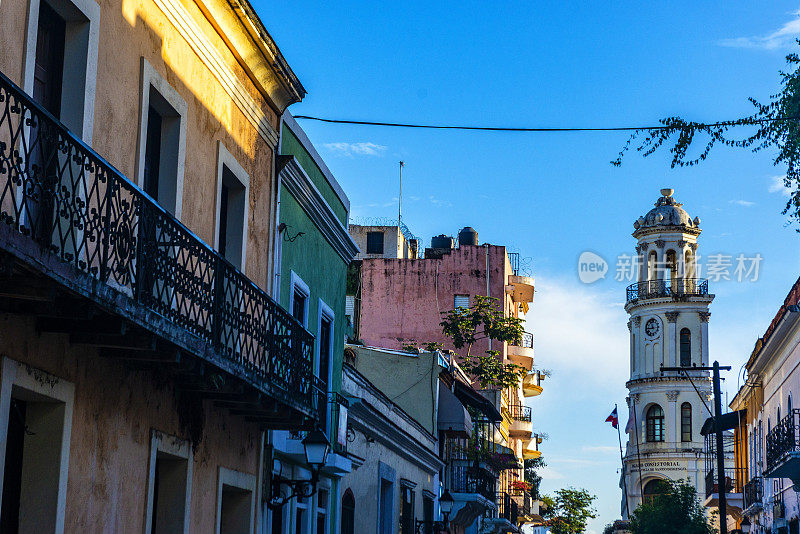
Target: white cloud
745	203
550	474
776	185
356	149
439	202
781	38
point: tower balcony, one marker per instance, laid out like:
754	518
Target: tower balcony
677	288
783	448
92	257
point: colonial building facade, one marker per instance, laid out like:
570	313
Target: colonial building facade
668	308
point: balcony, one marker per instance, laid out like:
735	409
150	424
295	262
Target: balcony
522	353
507	507
521	288
530	448
679	288
88	254
783	448
733	488
531	384
521	426
753	495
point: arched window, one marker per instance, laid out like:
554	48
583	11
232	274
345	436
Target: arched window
652	265
655	423
672	269
653	489
348	513
686	347
686	422
688	264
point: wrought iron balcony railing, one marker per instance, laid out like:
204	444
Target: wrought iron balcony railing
526	341
57	191
753	491
678	287
733	476
783	439
519	412
464	477
507	507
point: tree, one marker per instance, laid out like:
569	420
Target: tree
775	124
569	511
675	510
484	320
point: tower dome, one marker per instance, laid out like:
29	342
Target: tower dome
667	212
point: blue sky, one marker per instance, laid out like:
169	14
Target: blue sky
553	196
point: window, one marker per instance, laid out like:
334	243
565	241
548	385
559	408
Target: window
686	422
232	206
277	520
36	429
169	484
652	265
348	513
427	511
60	68
461	301
374	242
386	506
162	140
235	502
653	489
672	268
655	423
322	512
686	347
325	352
407	507
301	516
298	299
789	405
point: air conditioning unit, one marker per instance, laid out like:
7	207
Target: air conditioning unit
778	510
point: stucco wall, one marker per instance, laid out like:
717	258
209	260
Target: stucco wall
130	30
402	300
114	410
394	242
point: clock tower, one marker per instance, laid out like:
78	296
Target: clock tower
668	309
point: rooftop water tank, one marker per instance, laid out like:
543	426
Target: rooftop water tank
442	241
468	236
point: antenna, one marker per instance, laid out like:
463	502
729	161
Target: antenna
400	196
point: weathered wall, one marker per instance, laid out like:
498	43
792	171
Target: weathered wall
130	30
394	242
114	411
402	300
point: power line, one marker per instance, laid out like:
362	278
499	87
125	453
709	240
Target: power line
740	122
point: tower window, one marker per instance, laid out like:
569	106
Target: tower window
686	422
686	347
655	423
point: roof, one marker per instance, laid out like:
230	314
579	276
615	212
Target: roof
667	212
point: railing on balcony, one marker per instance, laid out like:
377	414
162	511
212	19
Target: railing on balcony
678	287
513	258
464	477
56	190
507	507
519	412
783	439
753	492
526	341
732	477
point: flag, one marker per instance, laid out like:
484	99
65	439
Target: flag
631	426
613	419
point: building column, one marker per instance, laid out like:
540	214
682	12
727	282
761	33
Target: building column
704	318
632	352
673	421
637	354
672	317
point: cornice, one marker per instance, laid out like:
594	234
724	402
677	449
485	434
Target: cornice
297	182
665	229
182	20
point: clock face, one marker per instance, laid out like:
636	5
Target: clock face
652	327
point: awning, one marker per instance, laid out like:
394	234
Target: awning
470	397
729	421
453	417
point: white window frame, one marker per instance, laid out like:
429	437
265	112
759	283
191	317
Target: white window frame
236	479
226	159
323	484
326	312
151	79
80	74
297	283
174	446
19	375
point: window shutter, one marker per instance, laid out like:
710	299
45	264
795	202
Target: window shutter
461	301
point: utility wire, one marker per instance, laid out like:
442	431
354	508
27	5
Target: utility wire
740	122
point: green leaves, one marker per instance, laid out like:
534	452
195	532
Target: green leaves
570	510
775	125
676	510
491	372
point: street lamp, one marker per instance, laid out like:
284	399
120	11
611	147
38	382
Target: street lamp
745	526
446	503
316	448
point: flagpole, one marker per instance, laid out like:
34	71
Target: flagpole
622	462
638	452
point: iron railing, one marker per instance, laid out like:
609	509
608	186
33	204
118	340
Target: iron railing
753	491
784	438
678	287
525	341
59	192
519	412
507	507
465	477
513	259
733	475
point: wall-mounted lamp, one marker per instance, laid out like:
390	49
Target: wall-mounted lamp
316	447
